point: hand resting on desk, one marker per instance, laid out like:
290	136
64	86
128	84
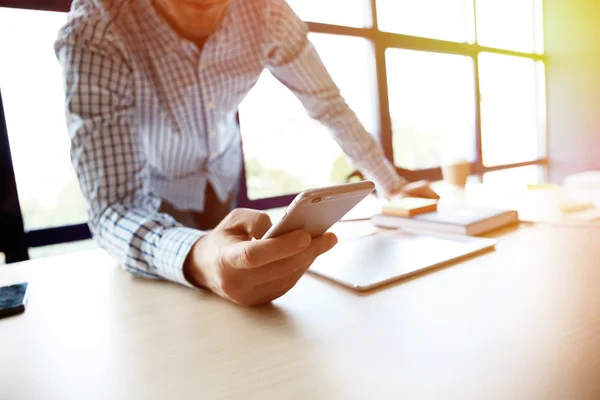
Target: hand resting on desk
417	189
252	272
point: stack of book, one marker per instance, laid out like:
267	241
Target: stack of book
426	214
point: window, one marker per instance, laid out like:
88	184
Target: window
511	92
429	79
522	176
56	249
510	24
453	80
432	107
355	13
437	19
30	78
285	151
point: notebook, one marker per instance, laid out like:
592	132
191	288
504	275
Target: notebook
463	219
409	207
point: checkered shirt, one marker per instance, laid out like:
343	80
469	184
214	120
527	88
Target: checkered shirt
152	117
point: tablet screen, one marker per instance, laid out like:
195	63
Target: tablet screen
369	261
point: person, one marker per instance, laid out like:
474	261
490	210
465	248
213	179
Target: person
151	93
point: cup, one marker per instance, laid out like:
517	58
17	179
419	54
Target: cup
456	172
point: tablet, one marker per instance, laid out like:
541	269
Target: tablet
367	262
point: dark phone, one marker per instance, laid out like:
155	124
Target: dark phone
13	299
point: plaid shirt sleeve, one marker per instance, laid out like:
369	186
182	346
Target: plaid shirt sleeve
107	156
294	61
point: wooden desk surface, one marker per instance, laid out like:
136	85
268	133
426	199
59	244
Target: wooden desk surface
522	322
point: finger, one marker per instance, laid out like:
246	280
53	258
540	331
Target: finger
421	192
254	223
283	269
428	193
275	288
433	194
322	244
420	189
416	186
253	254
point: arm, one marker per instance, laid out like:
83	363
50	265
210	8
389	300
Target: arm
107	156
110	163
294	62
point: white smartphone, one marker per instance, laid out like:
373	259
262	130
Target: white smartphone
316	210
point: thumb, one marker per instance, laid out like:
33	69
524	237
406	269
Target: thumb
256	253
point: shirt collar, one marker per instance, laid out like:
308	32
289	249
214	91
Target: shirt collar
154	28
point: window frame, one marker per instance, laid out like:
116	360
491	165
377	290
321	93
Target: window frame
12	235
381	41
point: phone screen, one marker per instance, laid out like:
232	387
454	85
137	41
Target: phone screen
13	299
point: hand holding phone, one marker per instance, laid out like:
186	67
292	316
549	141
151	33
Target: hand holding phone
316	210
229	262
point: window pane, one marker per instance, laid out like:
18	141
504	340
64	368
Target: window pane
286	151
63	248
510	24
355	13
512	103
432	107
437	19
30	78
521	176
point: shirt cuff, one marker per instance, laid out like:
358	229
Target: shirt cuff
376	167
172	251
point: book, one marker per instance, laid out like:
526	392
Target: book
409	206
463	219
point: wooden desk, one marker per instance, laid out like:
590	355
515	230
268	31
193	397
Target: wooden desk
522	322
